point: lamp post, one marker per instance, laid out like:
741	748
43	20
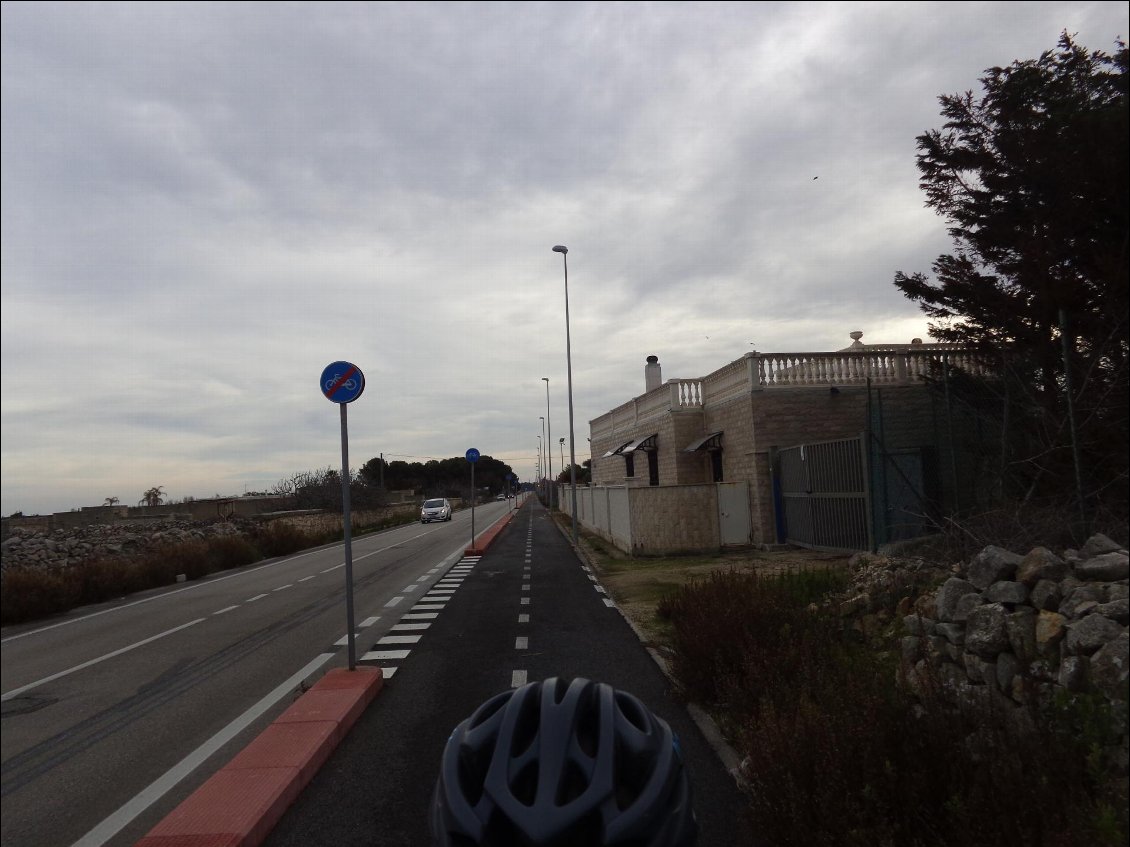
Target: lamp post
561	444
545	451
564	251
548	442
537	484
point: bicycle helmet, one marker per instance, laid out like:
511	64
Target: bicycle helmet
561	763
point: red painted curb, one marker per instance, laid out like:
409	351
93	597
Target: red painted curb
487	538
240	804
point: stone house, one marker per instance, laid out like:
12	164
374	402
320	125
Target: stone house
768	448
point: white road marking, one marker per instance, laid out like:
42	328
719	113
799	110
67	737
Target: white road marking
422	616
305	578
383	655
283	587
525	601
525	586
522	643
395	601
523	618
388	673
17	691
410	588
148	796
609	603
369	621
256	597
405	627
400	639
222	611
517	679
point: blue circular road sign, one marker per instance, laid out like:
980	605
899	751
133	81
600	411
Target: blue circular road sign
472	455
342	382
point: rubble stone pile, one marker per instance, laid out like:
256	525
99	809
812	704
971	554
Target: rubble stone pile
27	548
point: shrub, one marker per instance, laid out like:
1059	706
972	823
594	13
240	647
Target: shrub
231	551
836	754
29	593
279	538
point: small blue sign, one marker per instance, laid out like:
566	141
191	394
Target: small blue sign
342	382
472	455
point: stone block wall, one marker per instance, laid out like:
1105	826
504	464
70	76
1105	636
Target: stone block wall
674	518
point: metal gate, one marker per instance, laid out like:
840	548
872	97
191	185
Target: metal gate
822	495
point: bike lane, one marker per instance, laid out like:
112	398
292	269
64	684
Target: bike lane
527	610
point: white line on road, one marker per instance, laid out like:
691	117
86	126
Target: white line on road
369	621
223	611
283	587
400	639
256	597
150	795
308	577
523	618
522	642
17	691
395	601
518	678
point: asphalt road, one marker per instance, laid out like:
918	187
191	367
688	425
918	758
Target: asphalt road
114	714
487	634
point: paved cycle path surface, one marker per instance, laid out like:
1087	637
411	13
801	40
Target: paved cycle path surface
377	786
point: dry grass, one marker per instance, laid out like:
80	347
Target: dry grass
639	584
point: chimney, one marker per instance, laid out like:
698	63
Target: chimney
652	374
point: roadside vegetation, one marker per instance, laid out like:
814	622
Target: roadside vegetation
834	750
29	593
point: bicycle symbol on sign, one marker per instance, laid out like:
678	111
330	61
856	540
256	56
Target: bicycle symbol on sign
332	383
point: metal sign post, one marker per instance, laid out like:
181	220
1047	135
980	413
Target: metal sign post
472	457
342	383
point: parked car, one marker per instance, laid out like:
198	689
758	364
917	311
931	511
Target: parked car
435	510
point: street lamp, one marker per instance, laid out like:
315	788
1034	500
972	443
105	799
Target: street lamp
549	441
539	461
563	250
561	443
545	451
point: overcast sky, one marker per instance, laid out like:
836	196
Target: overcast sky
206	204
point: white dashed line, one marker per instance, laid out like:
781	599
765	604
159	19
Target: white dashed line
405	627
369	621
422	616
525	601
305	578
256	597
522	643
222	611
523	618
283	587
395	601
518	679
609	603
388	673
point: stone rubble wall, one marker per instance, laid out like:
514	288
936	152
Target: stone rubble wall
29	547
1025	625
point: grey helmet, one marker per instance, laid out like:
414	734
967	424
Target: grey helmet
563	763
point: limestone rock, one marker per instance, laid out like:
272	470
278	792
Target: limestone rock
1074	673
986	632
952	590
1116	610
1110	667
1098	544
1021	627
1040	563
1051	627
1046	595
1072	604
993	564
1086	636
1109	567
1013	593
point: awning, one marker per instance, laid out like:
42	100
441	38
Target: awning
617	451
710	442
647	443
